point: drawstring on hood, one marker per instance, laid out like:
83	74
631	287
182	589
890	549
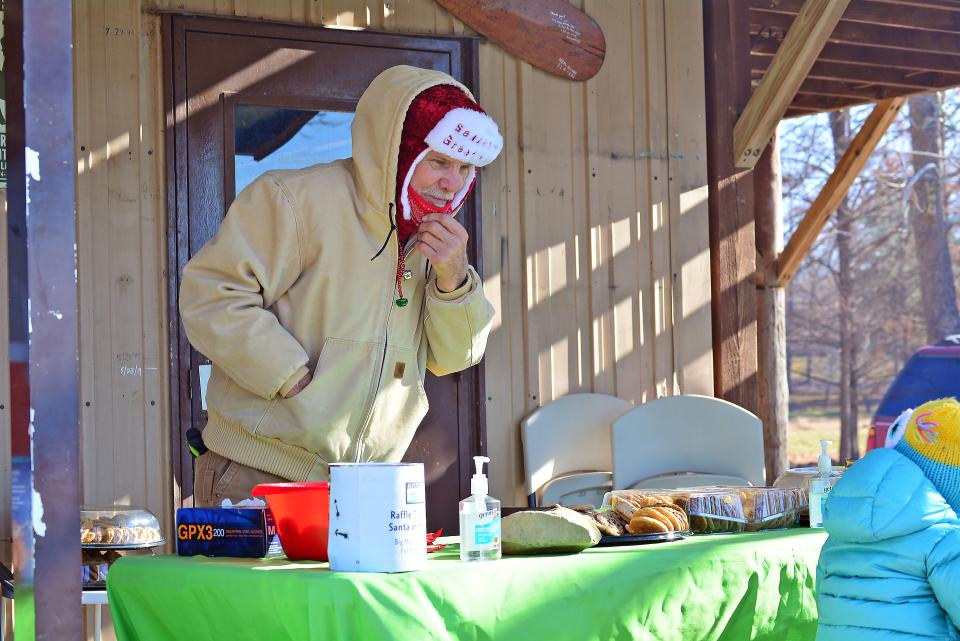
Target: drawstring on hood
393	228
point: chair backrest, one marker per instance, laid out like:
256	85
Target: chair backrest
687	433
579	488
570	434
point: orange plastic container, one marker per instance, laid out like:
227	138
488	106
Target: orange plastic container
301	512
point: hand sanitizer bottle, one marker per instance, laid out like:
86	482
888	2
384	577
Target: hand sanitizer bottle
820	485
479	520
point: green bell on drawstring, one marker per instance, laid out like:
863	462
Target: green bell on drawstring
402	302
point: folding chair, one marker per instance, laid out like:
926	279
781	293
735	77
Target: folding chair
566	449
687	440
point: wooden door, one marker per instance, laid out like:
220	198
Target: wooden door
248	96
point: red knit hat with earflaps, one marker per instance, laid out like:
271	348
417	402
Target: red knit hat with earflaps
443	118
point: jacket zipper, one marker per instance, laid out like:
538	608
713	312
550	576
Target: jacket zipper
368	415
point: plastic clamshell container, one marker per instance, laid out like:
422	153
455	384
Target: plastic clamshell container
769	508
301	512
713	510
118	528
708	510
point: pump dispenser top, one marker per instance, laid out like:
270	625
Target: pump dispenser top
478	484
824	464
479	519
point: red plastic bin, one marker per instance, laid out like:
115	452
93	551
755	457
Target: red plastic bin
301	512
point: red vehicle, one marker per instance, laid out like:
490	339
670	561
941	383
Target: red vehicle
932	372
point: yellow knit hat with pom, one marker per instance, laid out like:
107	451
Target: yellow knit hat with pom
932	441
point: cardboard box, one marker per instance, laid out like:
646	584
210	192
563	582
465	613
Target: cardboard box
217	531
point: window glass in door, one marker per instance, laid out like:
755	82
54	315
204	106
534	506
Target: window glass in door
268	137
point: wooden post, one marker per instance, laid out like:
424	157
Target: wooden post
45	492
732	243
771	311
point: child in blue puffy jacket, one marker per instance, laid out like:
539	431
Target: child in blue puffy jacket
890	568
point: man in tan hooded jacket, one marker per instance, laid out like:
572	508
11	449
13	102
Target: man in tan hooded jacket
328	291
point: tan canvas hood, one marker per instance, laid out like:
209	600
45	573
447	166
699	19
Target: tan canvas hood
378	125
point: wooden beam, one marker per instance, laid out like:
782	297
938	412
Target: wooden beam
800	48
821	104
857	91
766	43
796	112
733	301
878	13
927	80
950	5
836	188
866	35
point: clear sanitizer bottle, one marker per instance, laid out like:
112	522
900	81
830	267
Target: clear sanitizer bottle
820	486
479	520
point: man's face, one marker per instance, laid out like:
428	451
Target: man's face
438	178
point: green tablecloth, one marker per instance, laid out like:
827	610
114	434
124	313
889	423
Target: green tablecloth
735	586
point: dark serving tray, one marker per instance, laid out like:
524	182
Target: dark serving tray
122	546
641	539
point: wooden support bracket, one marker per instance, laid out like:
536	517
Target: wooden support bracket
799	50
836	188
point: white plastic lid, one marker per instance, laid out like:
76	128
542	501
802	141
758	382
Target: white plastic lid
478	484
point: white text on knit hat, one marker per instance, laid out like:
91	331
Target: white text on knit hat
467	135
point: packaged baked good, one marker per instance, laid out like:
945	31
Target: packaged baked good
767	508
95	564
119	528
702	510
800	477
608	521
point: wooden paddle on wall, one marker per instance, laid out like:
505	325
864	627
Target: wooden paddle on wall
549	34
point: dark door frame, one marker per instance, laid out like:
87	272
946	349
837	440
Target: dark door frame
183	385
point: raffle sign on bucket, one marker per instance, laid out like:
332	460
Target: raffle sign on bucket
378	520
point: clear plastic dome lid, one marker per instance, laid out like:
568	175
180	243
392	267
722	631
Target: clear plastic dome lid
119	527
801	476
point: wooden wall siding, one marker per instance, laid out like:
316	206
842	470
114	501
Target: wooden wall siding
121	244
595	224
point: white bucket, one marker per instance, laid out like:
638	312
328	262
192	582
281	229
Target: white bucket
378	519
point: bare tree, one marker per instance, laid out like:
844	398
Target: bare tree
927	220
849	449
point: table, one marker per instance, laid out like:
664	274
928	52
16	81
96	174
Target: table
719	587
98	599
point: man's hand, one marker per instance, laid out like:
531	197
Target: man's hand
296	389
444	242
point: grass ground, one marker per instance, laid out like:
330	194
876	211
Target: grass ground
804	434
811	420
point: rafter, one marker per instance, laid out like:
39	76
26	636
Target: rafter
858	33
922	80
878	13
766	44
772	98
832	194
